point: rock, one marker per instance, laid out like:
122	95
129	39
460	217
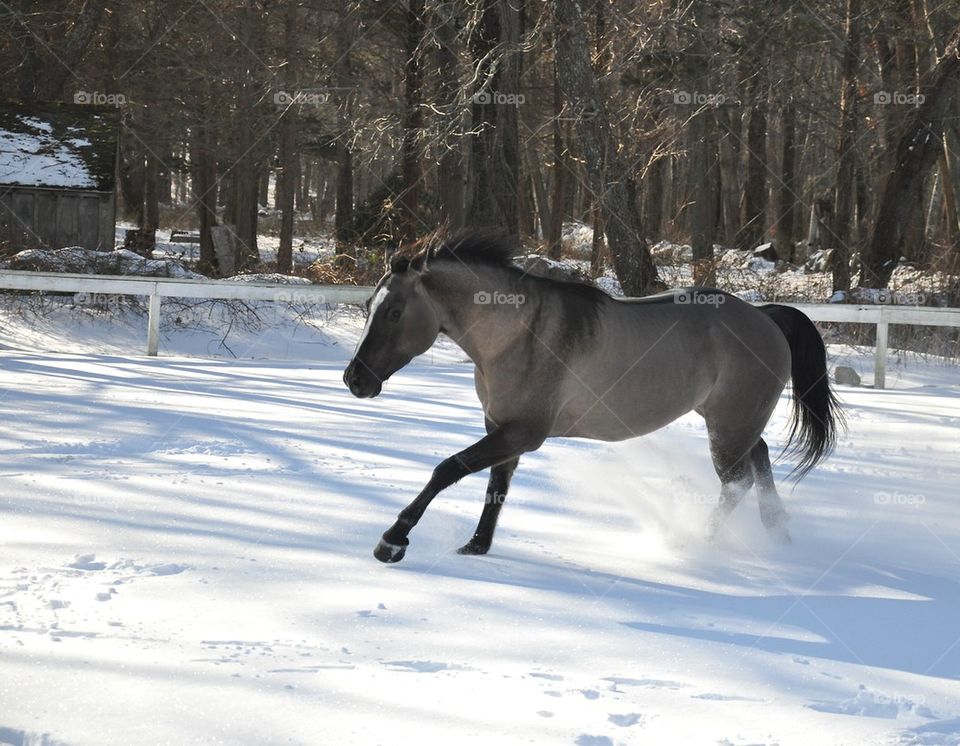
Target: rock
541	266
85	261
846	376
576	240
766	251
269	278
820	261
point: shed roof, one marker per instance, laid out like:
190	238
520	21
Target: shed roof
58	145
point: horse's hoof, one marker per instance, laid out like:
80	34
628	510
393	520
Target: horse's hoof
389	553
473	548
781	535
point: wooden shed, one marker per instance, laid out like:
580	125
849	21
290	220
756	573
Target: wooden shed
58	175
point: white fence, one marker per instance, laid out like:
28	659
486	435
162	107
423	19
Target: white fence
156	288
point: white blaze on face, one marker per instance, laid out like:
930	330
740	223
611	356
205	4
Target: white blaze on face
379	298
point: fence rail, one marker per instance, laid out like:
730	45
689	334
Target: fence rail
156	288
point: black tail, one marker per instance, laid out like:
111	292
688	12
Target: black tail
816	410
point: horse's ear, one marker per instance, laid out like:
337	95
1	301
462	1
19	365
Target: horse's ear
399	264
419	263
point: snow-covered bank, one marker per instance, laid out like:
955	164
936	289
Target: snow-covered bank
185	555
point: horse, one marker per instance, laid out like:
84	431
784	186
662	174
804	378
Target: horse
561	359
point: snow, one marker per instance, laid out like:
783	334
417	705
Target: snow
87	261
40	159
186	557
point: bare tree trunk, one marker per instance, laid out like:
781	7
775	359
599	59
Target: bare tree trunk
949	195
450	167
203	177
343	74
245	173
787	207
846	151
412	122
729	155
705	186
151	195
495	148
539	188
922	17
132	182
596	247
561	175
915	152
289	153
702	146
609	181
752	227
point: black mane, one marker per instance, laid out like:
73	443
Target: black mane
479	248
493	250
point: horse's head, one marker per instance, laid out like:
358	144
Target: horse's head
401	324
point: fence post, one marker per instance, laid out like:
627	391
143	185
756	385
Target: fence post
880	364
153	323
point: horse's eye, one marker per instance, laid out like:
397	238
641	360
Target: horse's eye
394	314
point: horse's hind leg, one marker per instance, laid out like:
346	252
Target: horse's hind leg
733	466
496	495
772	512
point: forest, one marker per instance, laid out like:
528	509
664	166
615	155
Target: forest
827	126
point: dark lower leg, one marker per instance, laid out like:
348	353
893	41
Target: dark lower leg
736	478
496	495
497	447
772	512
731	493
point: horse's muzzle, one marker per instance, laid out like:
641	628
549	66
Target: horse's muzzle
361	382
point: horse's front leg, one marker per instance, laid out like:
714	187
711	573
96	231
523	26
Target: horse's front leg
496	495
503	444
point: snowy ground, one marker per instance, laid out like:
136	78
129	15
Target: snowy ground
185	557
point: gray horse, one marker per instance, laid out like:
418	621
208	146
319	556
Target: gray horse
564	359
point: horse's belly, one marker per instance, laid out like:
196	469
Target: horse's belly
620	417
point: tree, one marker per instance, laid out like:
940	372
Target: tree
495	145
846	151
703	148
912	154
610	184
289	152
412	120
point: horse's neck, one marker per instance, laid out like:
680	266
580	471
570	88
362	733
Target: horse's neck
475	309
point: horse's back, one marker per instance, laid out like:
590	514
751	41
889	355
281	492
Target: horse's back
654	359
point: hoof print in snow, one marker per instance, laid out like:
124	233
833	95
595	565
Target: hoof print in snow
86	562
626	720
588	740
